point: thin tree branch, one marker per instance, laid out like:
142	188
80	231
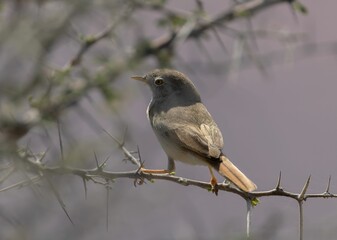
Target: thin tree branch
248	217
300	206
58	197
90	41
99	172
240	10
21	183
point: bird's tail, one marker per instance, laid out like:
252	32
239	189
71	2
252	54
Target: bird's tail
228	170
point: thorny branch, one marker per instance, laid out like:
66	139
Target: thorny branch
99	175
99	172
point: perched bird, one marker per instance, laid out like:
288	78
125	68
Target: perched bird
185	129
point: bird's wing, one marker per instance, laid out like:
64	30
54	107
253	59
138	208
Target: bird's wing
205	140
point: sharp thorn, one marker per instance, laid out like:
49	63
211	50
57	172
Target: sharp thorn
43	155
60	140
278	185
85	187
139	157
124	136
139	169
59	199
113	138
103	163
140	162
328	186
97	164
305	188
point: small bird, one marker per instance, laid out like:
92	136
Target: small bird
185	129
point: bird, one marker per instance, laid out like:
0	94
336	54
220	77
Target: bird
186	130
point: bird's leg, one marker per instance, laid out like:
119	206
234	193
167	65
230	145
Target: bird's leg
170	168
213	182
155	171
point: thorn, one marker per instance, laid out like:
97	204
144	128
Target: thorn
327	191
222	45
139	157
43	156
85	187
139	169
60	139
124	136
278	185
304	190
97	164
120	144
59	199
103	163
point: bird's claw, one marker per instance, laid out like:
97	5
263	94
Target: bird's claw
214	186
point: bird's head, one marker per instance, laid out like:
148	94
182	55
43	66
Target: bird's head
167	83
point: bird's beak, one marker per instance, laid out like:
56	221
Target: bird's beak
139	78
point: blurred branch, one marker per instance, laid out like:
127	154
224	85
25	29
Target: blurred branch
89	41
21	184
238	11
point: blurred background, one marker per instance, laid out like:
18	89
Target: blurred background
266	70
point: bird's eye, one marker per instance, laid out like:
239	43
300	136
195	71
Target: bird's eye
159	81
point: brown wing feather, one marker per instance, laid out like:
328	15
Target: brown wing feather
205	140
199	134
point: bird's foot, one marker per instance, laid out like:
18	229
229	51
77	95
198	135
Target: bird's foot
156	171
214	184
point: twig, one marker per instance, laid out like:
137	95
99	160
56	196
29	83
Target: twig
58	197
7	174
88	42
300	206
249	211
60	140
107	206
21	183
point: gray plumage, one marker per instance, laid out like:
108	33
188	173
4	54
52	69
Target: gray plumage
184	127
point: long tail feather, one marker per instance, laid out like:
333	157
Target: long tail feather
228	170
